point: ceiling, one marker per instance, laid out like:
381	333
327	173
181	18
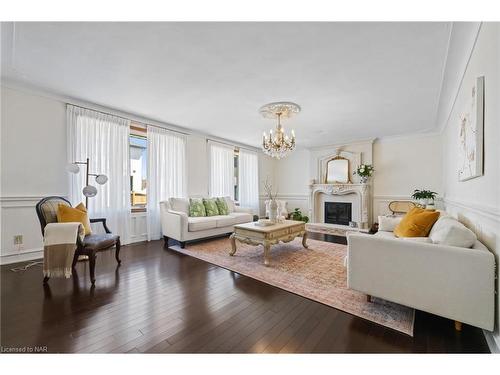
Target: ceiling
352	80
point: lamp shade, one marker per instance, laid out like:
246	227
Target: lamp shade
73	168
89	191
101	179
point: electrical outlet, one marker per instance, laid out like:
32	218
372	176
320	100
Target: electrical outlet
18	239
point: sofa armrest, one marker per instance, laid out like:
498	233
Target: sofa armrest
457	283
174	224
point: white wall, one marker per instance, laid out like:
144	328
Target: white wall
477	202
33	162
403	164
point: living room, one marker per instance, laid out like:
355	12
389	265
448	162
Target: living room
236	187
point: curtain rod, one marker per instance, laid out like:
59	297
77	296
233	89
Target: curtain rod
125	118
230	144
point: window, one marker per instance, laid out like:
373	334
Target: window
138	169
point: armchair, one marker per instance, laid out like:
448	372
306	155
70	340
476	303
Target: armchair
46	211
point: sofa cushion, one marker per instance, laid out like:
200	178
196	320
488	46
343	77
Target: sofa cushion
416	223
100	241
385	234
179	204
224	221
196	224
388	223
241	217
210	206
196	207
222	206
451	232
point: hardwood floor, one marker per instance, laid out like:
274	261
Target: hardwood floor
160	301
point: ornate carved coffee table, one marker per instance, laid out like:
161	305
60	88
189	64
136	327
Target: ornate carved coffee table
266	236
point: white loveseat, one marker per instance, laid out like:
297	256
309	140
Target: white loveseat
451	281
177	224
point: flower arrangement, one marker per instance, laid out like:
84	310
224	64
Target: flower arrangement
364	171
268	188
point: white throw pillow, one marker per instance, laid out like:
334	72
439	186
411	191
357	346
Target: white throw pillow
230	204
448	231
388	223
180	204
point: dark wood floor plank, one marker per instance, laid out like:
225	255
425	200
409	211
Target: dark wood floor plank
166	302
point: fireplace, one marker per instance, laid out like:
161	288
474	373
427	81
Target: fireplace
338	213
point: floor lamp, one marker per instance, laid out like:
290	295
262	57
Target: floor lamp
89	191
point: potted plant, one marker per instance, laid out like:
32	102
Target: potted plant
297	215
364	171
424	198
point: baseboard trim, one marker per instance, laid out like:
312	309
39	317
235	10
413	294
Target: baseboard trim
492	344
22	257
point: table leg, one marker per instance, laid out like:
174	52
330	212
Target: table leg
233	244
267	250
304	239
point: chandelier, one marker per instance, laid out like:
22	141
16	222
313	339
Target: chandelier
278	144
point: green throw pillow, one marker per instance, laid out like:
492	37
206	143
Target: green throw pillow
210	206
196	207
222	206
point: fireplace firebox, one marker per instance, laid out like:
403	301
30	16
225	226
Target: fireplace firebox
338	213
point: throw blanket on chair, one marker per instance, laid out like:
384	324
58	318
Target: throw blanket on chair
60	241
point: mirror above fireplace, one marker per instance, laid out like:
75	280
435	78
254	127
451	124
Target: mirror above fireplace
337	171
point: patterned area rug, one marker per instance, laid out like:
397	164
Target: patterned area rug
317	273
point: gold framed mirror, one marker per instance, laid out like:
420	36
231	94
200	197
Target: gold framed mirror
337	171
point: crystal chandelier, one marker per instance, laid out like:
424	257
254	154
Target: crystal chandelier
278	144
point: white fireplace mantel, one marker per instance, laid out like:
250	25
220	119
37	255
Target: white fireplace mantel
361	190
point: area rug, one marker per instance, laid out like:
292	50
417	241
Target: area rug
317	273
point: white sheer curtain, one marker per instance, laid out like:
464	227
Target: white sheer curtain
104	139
249	179
221	170
166	173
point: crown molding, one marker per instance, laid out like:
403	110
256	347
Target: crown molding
441	122
353	142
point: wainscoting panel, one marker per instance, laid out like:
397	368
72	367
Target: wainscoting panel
18	217
138	227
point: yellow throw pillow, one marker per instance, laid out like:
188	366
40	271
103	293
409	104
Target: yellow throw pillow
416	223
66	214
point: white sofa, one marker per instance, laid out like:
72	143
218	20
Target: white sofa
177	224
454	282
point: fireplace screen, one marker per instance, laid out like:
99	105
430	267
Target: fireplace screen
338	213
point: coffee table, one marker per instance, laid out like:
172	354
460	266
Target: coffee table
252	234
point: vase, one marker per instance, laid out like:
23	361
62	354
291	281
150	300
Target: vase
363	179
423	202
273	211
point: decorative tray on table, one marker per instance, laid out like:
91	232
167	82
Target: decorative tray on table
263	223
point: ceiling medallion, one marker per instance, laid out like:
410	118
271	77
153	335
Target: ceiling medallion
279	144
